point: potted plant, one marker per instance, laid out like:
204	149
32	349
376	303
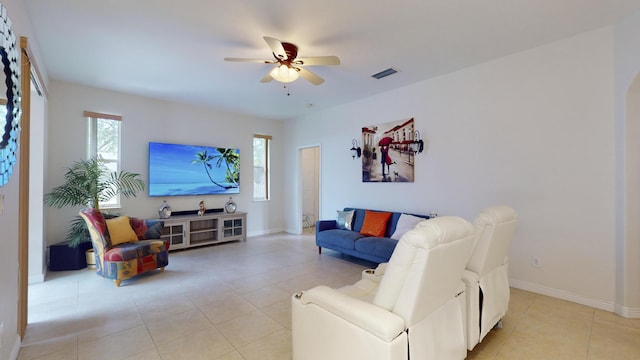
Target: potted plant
88	183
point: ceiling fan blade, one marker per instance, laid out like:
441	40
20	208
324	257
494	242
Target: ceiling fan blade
267	78
250	60
319	60
309	76
276	47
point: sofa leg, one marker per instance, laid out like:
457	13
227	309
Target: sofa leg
162	269
319	250
117	282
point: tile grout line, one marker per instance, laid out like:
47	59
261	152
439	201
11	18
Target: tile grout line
525	314
77	282
593	318
146	326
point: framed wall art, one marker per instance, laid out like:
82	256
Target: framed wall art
389	151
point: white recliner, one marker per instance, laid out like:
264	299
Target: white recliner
486	277
416	310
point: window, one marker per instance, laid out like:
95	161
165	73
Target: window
261	163
104	142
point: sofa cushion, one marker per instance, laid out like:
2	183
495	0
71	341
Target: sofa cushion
405	223
358	220
344	220
378	246
147	229
340	238
120	230
138	249
375	223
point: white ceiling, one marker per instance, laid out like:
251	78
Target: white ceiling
172	49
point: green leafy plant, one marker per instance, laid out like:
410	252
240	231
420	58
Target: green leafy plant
88	183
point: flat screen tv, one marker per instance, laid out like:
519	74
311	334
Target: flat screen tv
179	170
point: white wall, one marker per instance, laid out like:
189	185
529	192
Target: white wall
533	130
147	120
9	266
631	242
627	120
9	218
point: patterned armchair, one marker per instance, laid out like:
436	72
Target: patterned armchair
122	258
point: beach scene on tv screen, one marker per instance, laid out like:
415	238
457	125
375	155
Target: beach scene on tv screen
176	169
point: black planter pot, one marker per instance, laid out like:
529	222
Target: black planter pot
62	257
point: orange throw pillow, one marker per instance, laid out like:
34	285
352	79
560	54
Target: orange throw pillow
375	223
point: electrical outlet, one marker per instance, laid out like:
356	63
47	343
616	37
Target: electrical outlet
535	261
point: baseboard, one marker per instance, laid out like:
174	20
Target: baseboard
15	350
264	232
36	279
296	232
564	295
628	312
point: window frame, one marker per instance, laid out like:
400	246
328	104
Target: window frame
267	166
92	147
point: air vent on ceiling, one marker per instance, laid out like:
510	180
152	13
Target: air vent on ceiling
385	73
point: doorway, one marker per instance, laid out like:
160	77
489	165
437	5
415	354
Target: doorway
310	188
32	166
37	170
629	258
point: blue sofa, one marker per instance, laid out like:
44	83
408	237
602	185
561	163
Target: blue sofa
351	242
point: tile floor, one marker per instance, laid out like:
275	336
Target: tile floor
232	302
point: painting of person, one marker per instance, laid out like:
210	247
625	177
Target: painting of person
384	154
389	154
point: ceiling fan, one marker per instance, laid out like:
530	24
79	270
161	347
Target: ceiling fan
288	66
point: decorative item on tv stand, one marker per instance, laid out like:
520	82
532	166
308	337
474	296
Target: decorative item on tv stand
201	208
230	206
164	212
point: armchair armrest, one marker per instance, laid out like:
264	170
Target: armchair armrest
371	318
375	275
322	225
469	278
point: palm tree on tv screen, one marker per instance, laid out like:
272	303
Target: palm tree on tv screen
226	155
203	157
229	156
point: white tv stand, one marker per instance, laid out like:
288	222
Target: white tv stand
185	231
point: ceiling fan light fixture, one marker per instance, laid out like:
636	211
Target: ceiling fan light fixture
287	66
284	73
